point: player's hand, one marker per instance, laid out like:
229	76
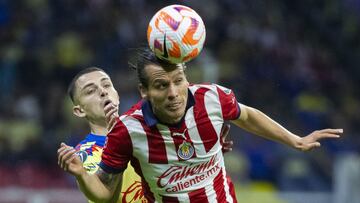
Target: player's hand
69	161
111	113
226	144
311	141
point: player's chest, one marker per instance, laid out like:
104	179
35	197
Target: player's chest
193	139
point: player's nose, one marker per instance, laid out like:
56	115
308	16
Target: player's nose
103	92
172	92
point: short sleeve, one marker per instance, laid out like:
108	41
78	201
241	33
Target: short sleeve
229	105
118	149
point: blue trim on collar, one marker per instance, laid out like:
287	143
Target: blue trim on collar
149	116
99	139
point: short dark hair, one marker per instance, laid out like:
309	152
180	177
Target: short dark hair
72	85
144	57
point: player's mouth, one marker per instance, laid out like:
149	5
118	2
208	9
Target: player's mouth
174	106
106	102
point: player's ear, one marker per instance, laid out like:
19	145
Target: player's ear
78	111
143	91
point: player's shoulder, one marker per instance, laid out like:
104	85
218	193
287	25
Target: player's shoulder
135	112
211	87
134	108
126	121
90	142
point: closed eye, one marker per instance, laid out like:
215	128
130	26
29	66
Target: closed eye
90	91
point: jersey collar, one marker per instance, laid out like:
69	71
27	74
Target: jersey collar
150	118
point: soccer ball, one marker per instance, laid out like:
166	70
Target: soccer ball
176	34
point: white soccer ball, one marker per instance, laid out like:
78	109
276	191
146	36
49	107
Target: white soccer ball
176	34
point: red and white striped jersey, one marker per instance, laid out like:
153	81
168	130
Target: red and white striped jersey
182	163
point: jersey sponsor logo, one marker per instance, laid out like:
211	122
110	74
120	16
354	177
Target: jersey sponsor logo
227	91
185	151
134	193
178	178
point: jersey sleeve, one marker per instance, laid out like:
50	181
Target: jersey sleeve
229	105
118	149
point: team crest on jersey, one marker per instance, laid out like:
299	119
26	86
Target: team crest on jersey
82	155
186	150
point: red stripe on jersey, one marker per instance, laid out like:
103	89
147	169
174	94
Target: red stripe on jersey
133	108
198	195
118	136
229	106
167	199
219	187
156	144
205	128
145	186
231	188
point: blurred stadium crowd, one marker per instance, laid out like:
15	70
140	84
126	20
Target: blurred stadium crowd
297	61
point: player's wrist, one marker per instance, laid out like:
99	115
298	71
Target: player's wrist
298	143
81	175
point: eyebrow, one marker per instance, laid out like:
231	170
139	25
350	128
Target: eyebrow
160	80
90	84
104	78
87	85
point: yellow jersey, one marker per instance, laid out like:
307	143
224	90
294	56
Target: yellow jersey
90	150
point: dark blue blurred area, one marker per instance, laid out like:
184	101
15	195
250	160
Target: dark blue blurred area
297	61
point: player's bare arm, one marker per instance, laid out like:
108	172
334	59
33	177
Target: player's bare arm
99	187
258	123
108	179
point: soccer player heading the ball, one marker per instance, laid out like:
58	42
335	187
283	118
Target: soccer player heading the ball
92	92
173	138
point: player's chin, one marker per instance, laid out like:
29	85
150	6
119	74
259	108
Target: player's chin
175	116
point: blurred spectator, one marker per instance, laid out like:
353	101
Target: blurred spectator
347	178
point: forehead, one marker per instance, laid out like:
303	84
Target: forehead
92	77
156	71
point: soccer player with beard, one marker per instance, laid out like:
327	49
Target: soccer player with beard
173	139
92	94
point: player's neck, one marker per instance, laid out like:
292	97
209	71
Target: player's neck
98	129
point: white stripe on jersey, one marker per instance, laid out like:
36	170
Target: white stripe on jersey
169	142
212	108
139	142
210	191
226	187
194	133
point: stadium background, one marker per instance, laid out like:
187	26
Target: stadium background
297	61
